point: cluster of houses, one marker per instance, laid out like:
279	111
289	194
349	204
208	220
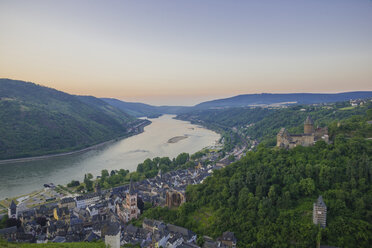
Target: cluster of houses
357	102
105	215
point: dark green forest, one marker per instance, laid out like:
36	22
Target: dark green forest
266	198
37	120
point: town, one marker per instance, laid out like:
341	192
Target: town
107	214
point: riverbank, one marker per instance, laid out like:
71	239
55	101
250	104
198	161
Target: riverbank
137	130
51	195
22	178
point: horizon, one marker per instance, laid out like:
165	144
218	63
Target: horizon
184	53
191	105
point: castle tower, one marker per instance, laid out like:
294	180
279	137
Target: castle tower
309	126
320	212
12	211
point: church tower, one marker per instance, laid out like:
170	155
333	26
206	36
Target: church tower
309	126
12	211
131	203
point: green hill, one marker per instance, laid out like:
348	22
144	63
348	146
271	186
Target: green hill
266	198
37	120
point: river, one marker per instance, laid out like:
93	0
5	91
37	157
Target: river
21	178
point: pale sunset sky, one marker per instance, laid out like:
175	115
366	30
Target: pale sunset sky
182	52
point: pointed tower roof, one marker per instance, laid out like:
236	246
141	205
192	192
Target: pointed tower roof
320	201
13	205
309	121
131	187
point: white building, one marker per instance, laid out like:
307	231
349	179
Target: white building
85	200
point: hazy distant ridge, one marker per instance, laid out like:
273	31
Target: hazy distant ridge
299	98
141	109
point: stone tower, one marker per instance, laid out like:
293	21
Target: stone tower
131	203
12	211
320	212
309	126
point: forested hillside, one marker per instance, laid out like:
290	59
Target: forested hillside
263	124
266	198
37	120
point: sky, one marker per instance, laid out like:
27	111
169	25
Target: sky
182	52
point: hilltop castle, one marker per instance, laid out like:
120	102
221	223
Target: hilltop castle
308	138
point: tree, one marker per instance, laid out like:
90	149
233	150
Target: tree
104	174
200	241
88	183
307	186
182	158
73	183
80	188
3	221
231	158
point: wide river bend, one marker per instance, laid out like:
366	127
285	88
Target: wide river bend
21	178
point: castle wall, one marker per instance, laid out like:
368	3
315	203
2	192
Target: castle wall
308	138
282	142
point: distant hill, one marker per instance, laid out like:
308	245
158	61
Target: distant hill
268	99
141	109
37	120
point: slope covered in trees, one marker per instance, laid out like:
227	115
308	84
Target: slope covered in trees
37	120
263	124
266	198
